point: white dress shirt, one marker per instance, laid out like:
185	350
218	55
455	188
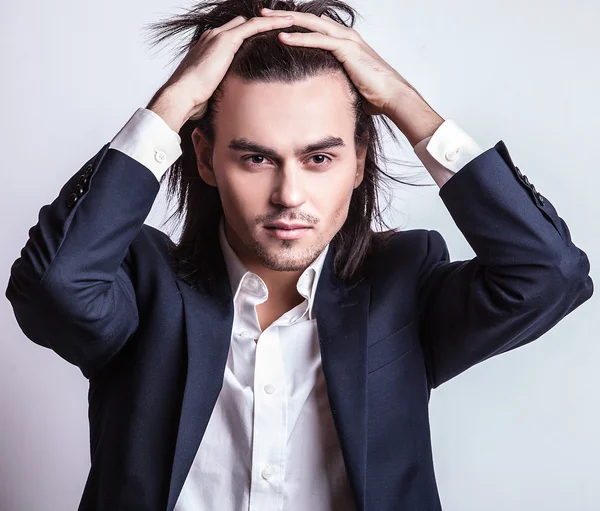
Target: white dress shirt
270	443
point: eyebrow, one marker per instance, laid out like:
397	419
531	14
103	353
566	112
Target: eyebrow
244	144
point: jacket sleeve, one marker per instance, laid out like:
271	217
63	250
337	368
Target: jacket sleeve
526	276
69	290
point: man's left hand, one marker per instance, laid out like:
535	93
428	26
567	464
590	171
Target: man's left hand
385	91
377	81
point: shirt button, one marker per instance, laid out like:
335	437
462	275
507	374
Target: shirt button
244	334
266	472
269	389
250	284
451	155
160	156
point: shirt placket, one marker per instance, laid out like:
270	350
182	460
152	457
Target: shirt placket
269	421
270	425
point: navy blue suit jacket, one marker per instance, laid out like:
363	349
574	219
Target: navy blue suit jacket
97	286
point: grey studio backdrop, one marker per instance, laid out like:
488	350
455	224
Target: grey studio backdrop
517	432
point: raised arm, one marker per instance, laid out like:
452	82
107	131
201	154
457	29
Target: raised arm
69	289
527	274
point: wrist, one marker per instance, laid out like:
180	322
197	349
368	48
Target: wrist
168	105
413	115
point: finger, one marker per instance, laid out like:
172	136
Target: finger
308	20
316	23
256	25
331	20
234	22
339	47
353	34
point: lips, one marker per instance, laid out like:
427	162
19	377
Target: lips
287	227
287	231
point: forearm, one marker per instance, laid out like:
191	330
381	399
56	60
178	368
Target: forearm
413	115
69	279
172	106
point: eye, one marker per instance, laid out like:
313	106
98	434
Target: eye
249	159
321	156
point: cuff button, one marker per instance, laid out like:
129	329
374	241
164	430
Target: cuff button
451	155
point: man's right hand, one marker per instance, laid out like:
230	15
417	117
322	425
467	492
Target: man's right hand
186	93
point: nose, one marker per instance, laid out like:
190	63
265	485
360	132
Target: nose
289	187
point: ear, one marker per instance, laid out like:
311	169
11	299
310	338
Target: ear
203	152
361	156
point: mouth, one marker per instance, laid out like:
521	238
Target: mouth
287	233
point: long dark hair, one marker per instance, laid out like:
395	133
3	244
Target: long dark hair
263	58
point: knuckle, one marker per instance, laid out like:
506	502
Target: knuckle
219	37
357	40
355	45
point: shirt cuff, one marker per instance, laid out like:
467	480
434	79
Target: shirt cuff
447	151
148	139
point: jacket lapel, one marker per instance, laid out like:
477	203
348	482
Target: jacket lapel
208	325
341	313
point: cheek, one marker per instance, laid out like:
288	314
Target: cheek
242	194
336	187
332	198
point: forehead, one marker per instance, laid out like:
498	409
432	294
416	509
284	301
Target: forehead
285	114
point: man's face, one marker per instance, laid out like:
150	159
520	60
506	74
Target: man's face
281	180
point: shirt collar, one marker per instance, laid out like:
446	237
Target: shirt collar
306	285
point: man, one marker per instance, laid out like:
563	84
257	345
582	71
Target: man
282	354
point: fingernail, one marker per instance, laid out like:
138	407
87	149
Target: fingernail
266	10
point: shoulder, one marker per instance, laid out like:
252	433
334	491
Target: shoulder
410	246
408	255
428	245
155	235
